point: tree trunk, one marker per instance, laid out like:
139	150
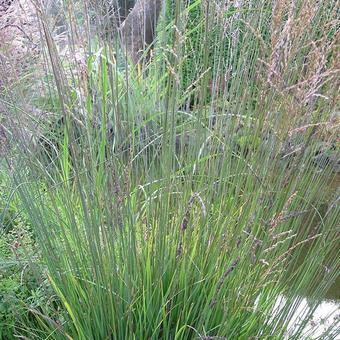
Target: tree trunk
139	28
110	14
124	8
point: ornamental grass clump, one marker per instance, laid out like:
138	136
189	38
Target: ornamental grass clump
171	213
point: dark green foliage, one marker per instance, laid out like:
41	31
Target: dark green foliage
24	288
194	23
213	45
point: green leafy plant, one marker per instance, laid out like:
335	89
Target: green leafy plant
188	222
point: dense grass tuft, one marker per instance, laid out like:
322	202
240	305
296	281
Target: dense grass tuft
173	199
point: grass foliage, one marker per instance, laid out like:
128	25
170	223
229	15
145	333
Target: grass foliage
164	212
